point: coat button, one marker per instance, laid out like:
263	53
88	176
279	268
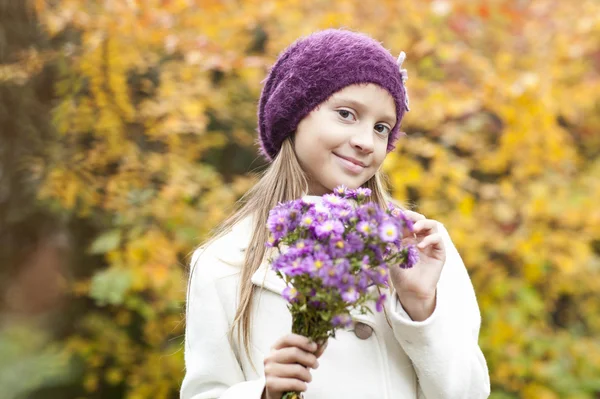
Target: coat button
362	330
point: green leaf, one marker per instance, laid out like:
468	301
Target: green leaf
325	315
110	286
106	241
26	350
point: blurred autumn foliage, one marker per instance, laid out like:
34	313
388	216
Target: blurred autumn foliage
127	133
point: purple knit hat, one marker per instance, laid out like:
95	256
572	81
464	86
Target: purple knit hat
317	66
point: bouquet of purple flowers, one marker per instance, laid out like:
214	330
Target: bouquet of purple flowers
334	254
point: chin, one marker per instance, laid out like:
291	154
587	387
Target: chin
350	183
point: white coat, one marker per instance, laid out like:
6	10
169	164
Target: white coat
436	358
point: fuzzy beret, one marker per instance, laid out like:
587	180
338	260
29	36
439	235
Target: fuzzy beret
315	67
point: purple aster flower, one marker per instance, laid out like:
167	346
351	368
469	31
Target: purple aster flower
334	201
362	193
305	246
366	261
296	204
377	252
299	245
317	304
294	267
363	281
315	263
314	303
412	256
342	265
344	281
387	251
355	242
280	207
322	209
333	274
293	218
365	228
290	294
379	303
369	212
280	262
338	247
341	320
350	295
340	191
328	228
407	222
309	201
380	275
388	231
317	247
278	222
400	215
343	214
277	226
271	241
307	220
329	276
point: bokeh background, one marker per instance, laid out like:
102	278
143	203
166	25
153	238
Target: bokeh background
128	132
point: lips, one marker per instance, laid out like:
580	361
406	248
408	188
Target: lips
350	165
353	160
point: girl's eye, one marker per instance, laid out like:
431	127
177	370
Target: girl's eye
344	113
382	129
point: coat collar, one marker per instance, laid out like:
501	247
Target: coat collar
233	252
266	277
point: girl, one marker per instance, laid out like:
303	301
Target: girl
329	113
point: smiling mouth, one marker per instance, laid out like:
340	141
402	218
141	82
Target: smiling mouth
351	160
349	165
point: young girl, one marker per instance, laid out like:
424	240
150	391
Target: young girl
329	113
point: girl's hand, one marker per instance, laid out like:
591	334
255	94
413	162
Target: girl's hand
287	366
416	287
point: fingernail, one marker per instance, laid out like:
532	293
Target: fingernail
317	364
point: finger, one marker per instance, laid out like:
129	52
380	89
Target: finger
293	355
425	227
288	371
279	385
409	240
434	240
297	341
321	349
407	229
414	216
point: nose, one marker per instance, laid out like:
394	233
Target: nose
363	140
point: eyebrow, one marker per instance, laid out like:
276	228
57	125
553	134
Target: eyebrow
357	104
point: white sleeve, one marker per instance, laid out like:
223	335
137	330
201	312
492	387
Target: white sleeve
212	369
444	348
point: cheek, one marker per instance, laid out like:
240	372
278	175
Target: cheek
316	144
379	155
327	133
335	135
309	149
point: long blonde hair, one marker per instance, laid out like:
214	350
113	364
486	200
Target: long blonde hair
283	180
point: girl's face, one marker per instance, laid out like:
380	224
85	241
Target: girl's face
344	139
